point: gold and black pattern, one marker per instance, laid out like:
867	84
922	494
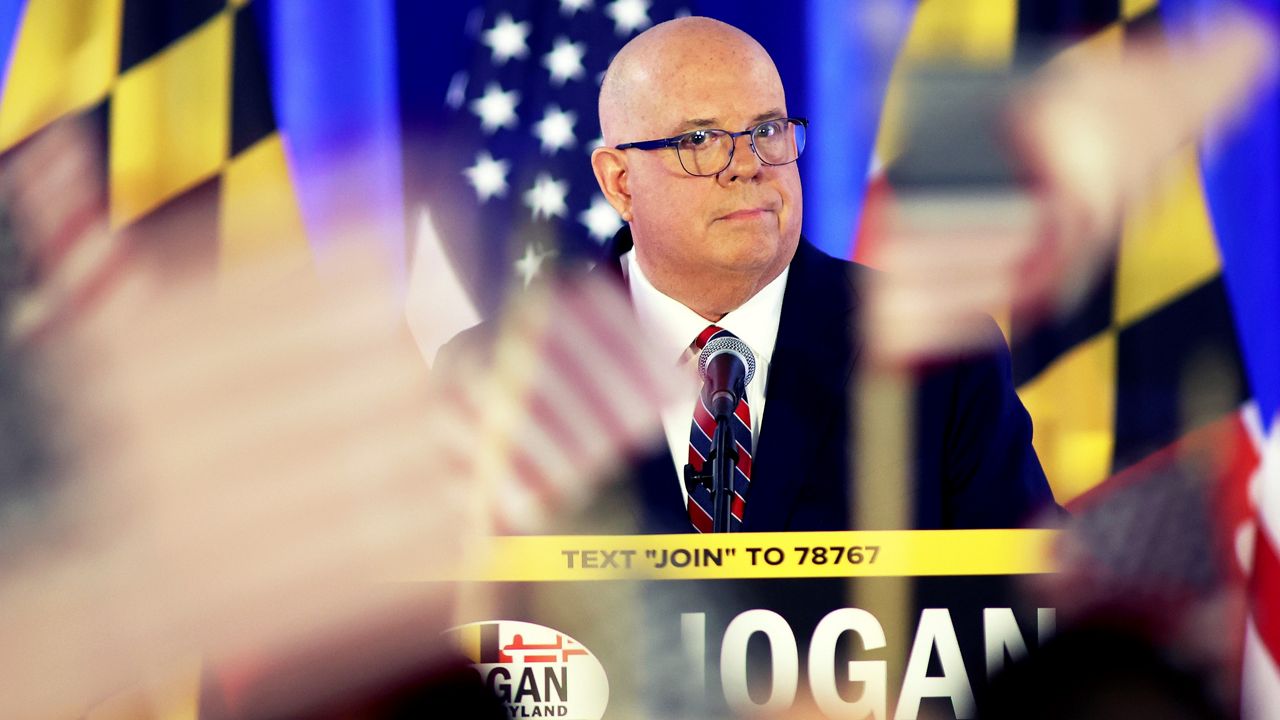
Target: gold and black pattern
1150	352
252	115
150	26
182	95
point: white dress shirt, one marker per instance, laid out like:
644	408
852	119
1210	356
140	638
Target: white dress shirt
673	328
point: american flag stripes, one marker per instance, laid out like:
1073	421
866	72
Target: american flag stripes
1261	674
72	254
571	388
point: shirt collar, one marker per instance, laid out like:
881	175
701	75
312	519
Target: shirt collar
672	326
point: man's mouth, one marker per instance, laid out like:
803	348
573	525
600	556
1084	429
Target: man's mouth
746	214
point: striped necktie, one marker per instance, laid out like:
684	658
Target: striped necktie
700	435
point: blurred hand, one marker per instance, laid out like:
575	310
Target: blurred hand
252	459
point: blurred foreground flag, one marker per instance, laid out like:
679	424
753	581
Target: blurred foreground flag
176	98
1175	341
1261	676
1152	342
1147	351
1241	170
537	415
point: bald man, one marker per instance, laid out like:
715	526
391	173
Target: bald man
700	161
738	223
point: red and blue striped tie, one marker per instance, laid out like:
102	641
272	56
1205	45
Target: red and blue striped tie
700	435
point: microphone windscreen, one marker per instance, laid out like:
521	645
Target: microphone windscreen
727	344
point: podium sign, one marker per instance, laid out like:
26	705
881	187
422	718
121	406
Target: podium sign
900	624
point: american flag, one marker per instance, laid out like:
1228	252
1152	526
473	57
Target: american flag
507	192
533	424
512	167
1261	678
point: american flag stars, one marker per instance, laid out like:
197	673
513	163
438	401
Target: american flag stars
571	7
496	108
530	264
507	39
488	176
564	62
525	107
629	15
555	129
546	198
601	220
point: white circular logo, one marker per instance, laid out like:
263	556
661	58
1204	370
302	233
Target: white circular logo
536	671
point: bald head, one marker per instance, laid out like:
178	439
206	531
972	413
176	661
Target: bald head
710	241
645	69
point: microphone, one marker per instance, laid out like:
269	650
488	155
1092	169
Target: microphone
726	365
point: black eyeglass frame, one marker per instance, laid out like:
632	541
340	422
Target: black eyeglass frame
648	145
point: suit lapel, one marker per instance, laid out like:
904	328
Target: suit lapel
808	385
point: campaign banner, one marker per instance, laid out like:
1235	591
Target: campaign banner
901	624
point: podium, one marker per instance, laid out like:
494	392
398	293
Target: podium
899	624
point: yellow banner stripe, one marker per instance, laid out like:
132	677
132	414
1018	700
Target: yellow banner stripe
897	553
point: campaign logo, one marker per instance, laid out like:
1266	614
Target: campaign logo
538	672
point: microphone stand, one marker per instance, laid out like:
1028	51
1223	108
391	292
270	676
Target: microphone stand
724	459
717	473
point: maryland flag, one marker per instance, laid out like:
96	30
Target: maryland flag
1151	400
179	93
1150	352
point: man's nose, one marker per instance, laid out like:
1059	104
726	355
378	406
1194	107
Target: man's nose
744	163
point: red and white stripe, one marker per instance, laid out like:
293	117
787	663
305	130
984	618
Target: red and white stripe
1261	674
60	214
573	388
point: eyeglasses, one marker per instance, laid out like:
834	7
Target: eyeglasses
708	152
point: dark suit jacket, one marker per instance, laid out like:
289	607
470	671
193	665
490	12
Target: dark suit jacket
972	463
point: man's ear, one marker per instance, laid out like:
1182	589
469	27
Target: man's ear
610	167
